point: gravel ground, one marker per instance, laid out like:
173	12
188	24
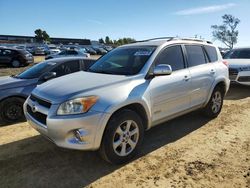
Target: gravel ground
190	151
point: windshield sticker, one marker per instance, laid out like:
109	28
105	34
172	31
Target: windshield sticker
143	53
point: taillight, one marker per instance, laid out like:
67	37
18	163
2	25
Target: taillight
225	63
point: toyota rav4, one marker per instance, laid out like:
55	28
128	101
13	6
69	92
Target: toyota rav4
127	91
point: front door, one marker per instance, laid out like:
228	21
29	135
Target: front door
170	94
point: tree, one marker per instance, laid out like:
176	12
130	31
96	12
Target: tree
41	36
46	36
227	33
107	40
123	41
101	41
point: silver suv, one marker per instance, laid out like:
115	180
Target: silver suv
127	91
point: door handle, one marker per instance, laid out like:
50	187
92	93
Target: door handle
212	71
186	78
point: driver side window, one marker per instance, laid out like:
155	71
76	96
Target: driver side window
66	68
172	56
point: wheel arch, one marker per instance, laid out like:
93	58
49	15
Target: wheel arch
136	107
220	83
13	96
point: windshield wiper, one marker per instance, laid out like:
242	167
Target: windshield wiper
99	71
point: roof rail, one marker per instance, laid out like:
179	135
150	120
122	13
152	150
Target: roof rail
159	38
195	39
176	38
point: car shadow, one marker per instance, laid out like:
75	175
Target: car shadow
237	92
36	162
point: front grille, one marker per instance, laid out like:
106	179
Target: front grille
244	79
37	115
233	73
40	101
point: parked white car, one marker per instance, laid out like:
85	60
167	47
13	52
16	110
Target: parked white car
54	50
239	65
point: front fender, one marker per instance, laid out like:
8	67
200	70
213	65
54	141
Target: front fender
114	108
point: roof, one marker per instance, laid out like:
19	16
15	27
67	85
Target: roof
63	59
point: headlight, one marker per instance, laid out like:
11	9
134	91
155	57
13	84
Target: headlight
77	106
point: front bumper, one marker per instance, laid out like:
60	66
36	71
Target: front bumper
29	60
242	77
61	130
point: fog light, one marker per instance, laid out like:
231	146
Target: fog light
79	134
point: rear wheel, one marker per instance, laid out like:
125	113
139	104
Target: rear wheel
214	106
122	138
15	63
11	110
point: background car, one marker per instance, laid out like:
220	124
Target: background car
15	89
68	53
100	51
90	50
15	57
108	48
54	50
39	51
239	65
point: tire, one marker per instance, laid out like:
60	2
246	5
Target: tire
119	145
214	106
11	110
16	63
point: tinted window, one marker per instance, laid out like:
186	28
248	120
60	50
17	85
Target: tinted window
212	53
244	54
72	52
87	63
6	52
123	61
62	53
172	56
36	70
195	55
66	68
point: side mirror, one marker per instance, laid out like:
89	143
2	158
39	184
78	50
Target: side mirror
162	69
48	76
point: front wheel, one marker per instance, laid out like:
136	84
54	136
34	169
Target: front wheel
214	106
15	63
11	110
122	138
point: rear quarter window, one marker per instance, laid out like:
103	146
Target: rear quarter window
212	53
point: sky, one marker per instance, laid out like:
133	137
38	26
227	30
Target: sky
139	19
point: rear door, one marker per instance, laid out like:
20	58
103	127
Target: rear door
6	56
67	68
202	73
170	94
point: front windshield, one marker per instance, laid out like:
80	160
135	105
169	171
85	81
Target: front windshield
123	61
36	71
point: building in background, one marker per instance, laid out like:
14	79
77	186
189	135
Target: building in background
14	39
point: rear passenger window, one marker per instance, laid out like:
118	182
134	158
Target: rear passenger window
195	55
67	68
244	54
172	56
212	53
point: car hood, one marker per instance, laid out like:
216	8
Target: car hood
66	87
237	63
7	82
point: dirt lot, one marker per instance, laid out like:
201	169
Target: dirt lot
190	151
